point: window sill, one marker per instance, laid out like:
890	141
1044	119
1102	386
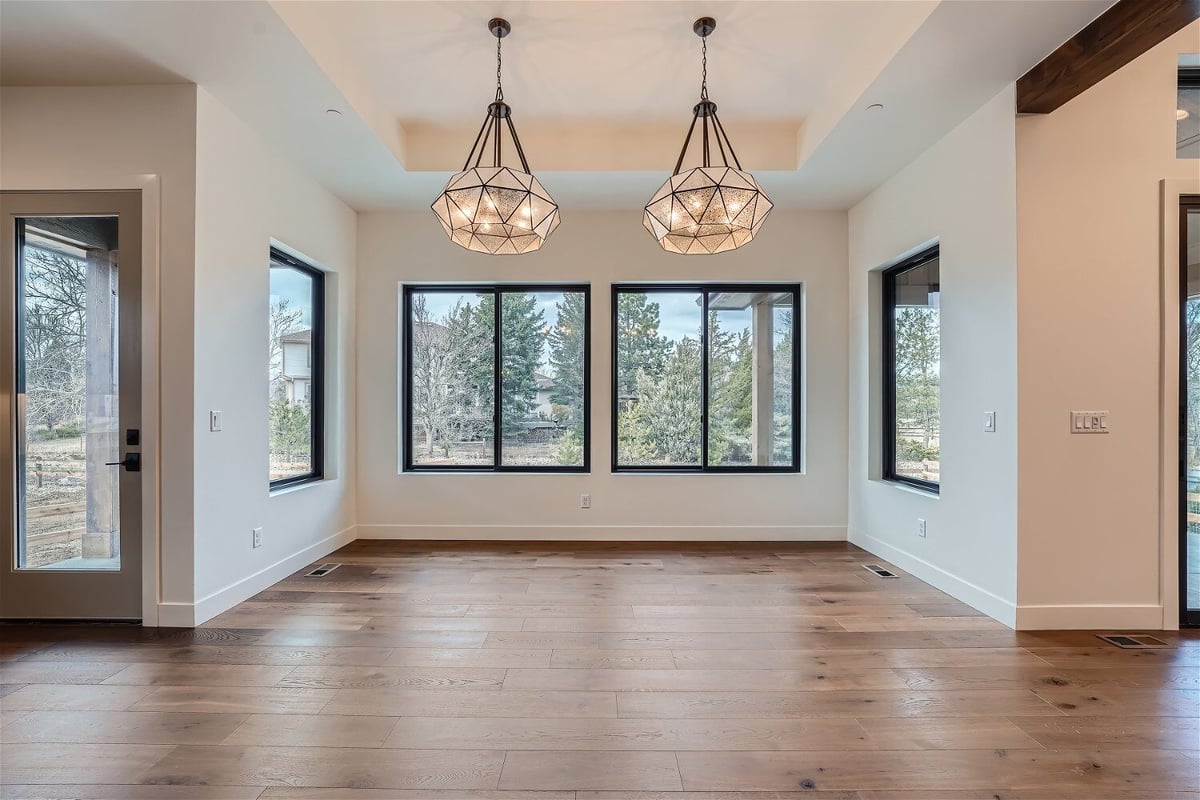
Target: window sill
910	489
295	487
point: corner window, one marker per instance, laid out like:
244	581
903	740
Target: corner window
705	378
496	378
912	354
1187	114
296	356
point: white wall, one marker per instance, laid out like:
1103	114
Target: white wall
602	248
1091	338
961	193
247	197
106	137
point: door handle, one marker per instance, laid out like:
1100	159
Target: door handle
132	462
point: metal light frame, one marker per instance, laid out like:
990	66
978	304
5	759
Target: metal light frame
709	209
496	209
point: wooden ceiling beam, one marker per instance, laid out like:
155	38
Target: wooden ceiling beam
1109	42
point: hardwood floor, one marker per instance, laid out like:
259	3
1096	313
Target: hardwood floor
595	672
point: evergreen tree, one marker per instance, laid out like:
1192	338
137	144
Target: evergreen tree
641	348
918	357
567	342
524	331
665	423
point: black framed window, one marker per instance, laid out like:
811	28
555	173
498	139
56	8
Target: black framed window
706	377
495	377
1187	114
912	356
296	368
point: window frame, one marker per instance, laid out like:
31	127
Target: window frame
497	290
888	360
316	381
704	288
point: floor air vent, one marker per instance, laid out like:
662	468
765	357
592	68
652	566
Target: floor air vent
322	571
880	571
1133	641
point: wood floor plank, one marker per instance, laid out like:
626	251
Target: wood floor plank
947	733
454	703
680	625
216	654
122	727
565	769
1135	733
984	703
235	700
942	678
73	672
699	680
416	794
1099	702
224	675
84	697
476	658
403	677
937	770
56	763
229	765
312	730
129	792
629	734
609	659
880	658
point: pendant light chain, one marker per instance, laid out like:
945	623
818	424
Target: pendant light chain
704	68
499	87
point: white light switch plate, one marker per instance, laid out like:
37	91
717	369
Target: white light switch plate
1089	422
215	421
989	422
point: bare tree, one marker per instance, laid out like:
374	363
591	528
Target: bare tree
283	320
55	336
433	374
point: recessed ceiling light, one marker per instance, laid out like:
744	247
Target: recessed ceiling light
1181	114
875	107
333	112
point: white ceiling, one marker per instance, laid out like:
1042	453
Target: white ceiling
601	91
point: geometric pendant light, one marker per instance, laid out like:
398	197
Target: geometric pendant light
710	208
496	209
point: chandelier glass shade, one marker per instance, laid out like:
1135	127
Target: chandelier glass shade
710	208
496	209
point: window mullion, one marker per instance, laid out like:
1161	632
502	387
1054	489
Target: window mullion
497	378
704	345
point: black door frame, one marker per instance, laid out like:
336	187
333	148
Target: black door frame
1188	618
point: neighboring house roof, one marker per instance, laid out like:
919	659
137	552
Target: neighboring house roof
432	332
543	381
297	337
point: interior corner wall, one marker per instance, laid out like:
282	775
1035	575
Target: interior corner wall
601	248
249	196
1090	333
960	193
85	137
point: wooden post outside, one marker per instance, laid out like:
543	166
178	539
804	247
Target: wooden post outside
101	538
763	413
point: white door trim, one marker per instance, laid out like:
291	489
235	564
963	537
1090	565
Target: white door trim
1171	190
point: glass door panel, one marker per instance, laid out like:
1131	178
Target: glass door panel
67	393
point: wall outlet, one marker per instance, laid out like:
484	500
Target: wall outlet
921	530
989	422
256	538
215	421
585	501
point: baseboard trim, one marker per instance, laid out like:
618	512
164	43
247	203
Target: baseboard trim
977	597
605	533
189	615
1090	617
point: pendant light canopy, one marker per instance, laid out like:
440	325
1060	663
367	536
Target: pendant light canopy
710	208
496	209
